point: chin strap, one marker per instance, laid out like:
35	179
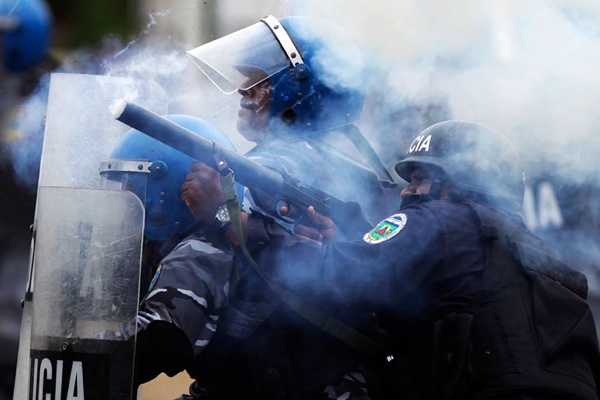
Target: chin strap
435	190
325	322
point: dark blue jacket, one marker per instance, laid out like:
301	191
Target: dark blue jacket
474	303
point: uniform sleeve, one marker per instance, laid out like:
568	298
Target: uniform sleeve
161	347
190	291
392	270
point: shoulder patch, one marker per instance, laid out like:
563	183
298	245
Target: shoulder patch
155	278
386	229
152	284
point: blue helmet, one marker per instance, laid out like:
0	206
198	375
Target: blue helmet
155	172
316	71
25	32
324	92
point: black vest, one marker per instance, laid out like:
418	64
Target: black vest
531	331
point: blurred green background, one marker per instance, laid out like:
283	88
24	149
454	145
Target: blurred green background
85	23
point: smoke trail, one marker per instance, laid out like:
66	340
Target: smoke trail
151	23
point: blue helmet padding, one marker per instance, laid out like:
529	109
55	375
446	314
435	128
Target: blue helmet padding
166	214
324	93
28	41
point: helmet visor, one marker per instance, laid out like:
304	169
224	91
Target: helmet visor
241	59
128	175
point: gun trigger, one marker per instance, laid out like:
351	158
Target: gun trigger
288	217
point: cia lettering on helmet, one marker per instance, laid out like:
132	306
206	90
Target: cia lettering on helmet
421	143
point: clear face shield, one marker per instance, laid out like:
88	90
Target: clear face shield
246	57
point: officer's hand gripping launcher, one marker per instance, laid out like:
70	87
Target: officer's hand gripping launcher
348	216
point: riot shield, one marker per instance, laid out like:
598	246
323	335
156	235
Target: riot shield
87	268
86	257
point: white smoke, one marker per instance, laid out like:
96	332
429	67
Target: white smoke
153	68
527	68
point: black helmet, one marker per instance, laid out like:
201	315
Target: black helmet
473	157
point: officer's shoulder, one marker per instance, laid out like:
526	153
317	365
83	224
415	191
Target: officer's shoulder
445	209
446	204
197	243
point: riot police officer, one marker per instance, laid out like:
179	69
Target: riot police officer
177	316
261	349
476	305
302	93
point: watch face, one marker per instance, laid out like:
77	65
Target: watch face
223	214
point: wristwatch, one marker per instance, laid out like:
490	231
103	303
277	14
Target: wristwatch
222	217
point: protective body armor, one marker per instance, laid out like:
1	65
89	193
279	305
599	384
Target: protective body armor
526	286
485	352
528	332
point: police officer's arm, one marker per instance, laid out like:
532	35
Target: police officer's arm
367	274
161	347
321	231
203	194
375	272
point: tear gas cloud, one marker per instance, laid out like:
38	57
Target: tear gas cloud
152	69
526	68
338	60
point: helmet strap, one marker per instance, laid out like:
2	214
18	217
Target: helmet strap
435	191
285	41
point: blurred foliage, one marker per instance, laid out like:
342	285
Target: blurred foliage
85	23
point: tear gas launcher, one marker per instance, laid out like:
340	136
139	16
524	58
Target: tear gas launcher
282	190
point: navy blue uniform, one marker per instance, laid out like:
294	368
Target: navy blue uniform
406	265
232	334
262	348
473	302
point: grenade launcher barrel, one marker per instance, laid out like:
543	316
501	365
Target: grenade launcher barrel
347	215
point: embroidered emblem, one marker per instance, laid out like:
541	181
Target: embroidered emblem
155	278
152	284
386	229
